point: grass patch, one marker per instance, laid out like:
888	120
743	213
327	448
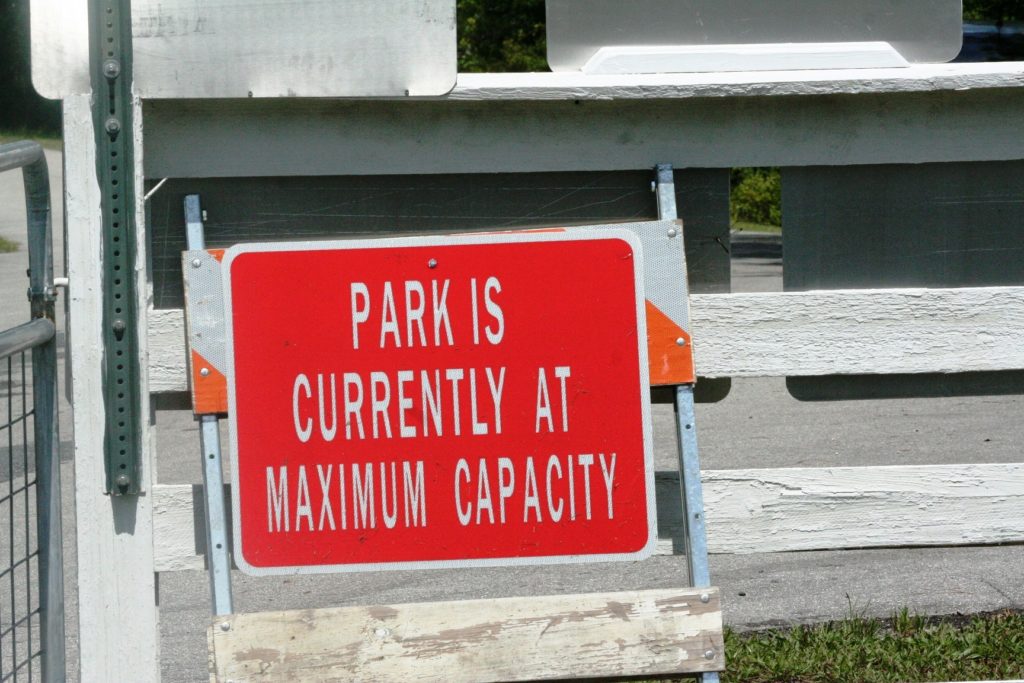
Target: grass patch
47	140
7	246
906	648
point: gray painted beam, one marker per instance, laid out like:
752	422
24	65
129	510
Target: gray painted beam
345	137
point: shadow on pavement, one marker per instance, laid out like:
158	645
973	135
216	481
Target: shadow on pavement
756	245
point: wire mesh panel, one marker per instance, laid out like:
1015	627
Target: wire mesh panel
31	562
20	644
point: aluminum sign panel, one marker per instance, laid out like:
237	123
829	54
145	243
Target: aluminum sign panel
259	48
921	30
448	401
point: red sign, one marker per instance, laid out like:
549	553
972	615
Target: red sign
438	402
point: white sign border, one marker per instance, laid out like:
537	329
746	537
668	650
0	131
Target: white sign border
574	234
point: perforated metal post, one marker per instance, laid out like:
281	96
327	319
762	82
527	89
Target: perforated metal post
110	46
694	530
217	554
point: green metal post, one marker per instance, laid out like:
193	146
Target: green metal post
110	42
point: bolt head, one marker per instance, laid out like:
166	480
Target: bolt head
225	626
196	263
705	598
205	372
432	263
673	232
112	125
681	341
111	68
710	654
122	480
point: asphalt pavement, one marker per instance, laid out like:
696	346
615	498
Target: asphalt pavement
757	425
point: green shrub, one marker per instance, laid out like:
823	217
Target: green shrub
756	196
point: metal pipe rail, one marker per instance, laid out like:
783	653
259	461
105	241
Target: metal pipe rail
25	337
39	336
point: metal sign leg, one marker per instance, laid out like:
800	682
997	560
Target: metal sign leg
693	498
217	553
694	530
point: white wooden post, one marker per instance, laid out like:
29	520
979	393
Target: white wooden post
118	617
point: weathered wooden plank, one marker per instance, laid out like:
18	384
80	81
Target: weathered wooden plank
765	510
508	639
849	332
752	511
796	333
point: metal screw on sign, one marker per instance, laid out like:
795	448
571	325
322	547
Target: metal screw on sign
205	372
432	263
196	263
681	341
710	654
705	598
672	232
225	626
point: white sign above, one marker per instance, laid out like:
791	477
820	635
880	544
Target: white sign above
917	31
258	48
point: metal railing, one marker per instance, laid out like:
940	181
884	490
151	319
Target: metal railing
31	558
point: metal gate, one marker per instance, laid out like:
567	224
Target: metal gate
31	563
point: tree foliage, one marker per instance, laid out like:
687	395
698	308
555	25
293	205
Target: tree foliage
502	35
994	10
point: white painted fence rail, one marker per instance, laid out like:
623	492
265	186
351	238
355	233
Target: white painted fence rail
764	510
840	332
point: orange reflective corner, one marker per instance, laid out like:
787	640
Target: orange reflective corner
209	390
670	361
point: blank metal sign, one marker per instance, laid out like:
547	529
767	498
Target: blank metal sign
259	48
920	30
